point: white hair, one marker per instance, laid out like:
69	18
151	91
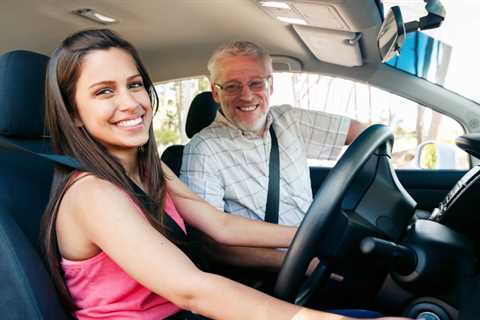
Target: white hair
238	48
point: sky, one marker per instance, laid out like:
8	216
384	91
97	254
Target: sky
460	30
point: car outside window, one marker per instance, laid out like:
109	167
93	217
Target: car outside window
446	55
174	100
424	139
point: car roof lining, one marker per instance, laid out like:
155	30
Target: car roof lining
164	30
175	38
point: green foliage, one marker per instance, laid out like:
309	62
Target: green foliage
402	133
428	158
173	99
166	137
168	132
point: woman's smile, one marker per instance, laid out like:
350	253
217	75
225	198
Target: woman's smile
131	124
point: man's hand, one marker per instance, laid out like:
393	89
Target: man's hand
356	127
312	266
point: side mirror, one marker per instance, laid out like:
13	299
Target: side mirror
391	35
434	155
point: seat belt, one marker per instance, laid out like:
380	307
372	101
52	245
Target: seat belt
74	164
192	252
63	160
271	212
273	196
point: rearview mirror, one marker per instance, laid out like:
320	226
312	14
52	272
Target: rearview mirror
393	30
391	35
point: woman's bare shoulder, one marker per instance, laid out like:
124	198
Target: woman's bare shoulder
80	214
88	193
86	183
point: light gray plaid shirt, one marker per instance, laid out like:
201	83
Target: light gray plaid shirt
229	167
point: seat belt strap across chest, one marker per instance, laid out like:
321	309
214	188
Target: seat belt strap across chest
273	196
168	222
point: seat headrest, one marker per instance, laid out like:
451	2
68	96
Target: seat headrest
22	82
202	112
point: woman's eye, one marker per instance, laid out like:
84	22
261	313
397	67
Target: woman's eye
137	84
103	91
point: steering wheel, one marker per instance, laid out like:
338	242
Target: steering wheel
314	237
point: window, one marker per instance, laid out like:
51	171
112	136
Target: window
448	49
415	127
174	100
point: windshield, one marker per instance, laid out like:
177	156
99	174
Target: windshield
452	61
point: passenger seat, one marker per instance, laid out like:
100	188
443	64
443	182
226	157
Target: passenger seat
26	291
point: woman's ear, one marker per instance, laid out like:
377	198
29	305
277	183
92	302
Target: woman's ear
77	121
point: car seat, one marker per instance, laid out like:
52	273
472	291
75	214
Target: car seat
201	114
26	290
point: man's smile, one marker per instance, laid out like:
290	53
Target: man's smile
248	108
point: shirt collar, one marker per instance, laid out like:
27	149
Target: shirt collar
235	131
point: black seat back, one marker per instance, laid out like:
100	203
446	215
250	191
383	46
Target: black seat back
26	289
201	114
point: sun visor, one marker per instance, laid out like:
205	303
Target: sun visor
332	46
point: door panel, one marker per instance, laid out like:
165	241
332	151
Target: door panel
427	187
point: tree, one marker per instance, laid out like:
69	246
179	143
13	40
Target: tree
168	132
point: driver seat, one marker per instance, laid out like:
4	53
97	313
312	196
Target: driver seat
27	291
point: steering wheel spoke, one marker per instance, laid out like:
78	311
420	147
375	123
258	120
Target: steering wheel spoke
318	277
324	231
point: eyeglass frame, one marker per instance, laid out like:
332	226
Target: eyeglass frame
266	80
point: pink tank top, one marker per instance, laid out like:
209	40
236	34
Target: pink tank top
102	290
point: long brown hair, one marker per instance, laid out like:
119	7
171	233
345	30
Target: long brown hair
69	139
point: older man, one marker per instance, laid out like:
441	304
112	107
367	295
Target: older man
227	163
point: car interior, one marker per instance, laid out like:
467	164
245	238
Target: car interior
27	291
201	113
403	242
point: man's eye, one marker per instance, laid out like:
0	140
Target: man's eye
256	84
232	87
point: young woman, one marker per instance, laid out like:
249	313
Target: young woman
107	236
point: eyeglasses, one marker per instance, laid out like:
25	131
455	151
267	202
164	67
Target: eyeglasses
235	87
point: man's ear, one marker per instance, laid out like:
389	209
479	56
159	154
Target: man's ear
215	93
271	85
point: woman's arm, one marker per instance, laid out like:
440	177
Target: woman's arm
120	230
268	259
225	228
